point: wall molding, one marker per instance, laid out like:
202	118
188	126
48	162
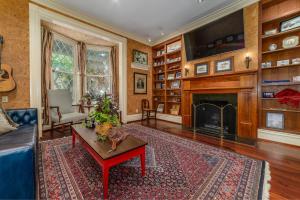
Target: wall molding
36	14
278	136
207	19
170	118
54	5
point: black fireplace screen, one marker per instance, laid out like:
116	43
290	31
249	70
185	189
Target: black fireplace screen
215	115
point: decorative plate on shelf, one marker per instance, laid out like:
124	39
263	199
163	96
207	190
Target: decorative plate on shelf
290	42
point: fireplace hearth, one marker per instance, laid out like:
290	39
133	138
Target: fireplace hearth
215	114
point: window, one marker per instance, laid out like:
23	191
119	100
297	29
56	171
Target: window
64	66
98	71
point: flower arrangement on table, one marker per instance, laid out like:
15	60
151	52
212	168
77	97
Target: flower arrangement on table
105	116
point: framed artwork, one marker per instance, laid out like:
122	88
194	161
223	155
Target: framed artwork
175	109
201	69
275	120
160	107
225	65
178	75
139	60
175	84
290	24
140	83
171	76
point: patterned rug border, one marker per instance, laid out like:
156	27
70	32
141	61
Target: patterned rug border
265	186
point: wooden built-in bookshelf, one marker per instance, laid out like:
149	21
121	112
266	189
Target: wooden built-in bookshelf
167	63
273	13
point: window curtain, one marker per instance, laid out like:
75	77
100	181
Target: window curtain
115	92
47	42
82	54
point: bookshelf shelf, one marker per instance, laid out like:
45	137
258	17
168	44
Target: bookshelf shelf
162	92
272	16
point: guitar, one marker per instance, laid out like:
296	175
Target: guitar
7	83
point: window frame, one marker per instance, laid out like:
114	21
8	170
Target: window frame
99	48
75	72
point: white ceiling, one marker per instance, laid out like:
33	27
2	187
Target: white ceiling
147	19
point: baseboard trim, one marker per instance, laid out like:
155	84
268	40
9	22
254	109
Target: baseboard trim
135	117
170	118
280	137
165	117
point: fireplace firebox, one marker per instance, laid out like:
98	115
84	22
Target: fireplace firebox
215	114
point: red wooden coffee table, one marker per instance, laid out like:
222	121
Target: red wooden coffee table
129	148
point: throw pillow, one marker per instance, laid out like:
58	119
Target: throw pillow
10	121
4	124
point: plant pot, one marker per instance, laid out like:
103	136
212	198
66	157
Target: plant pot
103	129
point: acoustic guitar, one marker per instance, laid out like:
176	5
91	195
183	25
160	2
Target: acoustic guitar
7	83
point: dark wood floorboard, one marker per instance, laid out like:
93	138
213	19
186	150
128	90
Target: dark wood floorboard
284	159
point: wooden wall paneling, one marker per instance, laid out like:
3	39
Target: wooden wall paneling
247	114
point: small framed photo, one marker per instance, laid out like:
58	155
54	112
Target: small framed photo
171	76
290	24
275	120
225	65
140	83
175	85
175	110
201	69
139	60
178	75
160	107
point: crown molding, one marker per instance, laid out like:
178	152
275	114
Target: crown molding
54	5
207	19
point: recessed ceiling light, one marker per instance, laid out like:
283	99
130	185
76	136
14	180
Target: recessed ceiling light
200	1
162	33
149	40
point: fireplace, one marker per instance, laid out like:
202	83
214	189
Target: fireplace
215	114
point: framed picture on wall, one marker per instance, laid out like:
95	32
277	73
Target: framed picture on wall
201	69
139	57
275	120
225	65
140	83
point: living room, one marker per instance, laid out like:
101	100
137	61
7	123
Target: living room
171	99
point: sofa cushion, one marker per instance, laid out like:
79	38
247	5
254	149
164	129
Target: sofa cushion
24	136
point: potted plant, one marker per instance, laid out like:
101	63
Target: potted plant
105	117
88	98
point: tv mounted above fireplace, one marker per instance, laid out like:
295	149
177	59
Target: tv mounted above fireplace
223	35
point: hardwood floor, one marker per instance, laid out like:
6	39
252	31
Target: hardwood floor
284	160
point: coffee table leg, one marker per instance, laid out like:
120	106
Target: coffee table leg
105	174
73	138
143	165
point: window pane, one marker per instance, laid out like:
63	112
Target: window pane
62	56
97	62
62	80
98	85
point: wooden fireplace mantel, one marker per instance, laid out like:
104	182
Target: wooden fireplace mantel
244	84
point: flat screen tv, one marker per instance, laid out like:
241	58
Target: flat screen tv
223	35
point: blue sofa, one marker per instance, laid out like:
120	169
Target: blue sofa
18	156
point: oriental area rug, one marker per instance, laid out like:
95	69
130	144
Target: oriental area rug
176	168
